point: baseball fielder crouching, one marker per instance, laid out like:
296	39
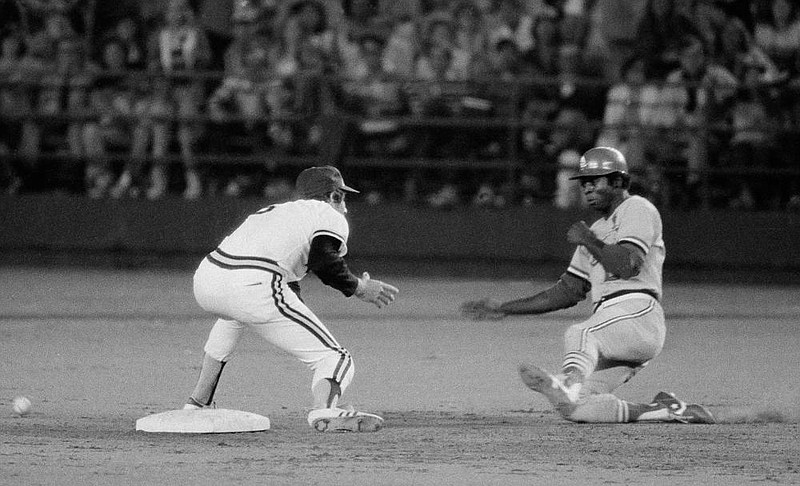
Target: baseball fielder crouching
252	280
618	261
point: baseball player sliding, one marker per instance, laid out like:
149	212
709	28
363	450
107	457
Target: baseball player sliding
618	261
252	280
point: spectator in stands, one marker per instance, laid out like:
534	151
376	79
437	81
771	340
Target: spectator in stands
777	32
307	25
664	24
510	20
629	125
627	103
176	49
571	136
249	91
151	133
470	36
241	107
374	99
364	18
572	97
573	20
763	138
57	28
128	32
360	19
312	95
26	85
437	40
394	11
613	34
578	85
63	102
543	58
738	53
696	97
12	107
432	95
402	48
113	106
44	92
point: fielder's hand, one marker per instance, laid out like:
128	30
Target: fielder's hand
482	310
375	291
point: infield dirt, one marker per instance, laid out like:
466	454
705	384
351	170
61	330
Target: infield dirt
97	349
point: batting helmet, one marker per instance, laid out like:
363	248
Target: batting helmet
600	161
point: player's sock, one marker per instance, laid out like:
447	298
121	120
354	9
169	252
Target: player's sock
326	393
640	412
203	392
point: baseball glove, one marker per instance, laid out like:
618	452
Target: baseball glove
485	309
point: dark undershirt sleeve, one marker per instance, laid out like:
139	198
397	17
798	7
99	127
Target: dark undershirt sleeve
295	286
332	270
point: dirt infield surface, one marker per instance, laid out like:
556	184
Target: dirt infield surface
97	349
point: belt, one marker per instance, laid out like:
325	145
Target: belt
620	293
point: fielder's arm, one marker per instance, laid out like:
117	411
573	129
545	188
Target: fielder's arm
326	263
624	260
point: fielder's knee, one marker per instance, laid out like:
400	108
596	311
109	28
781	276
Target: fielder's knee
222	339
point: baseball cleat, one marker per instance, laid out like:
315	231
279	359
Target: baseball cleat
563	398
668	400
193	404
341	420
695	414
680	411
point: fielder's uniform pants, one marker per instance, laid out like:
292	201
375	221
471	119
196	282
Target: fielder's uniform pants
262	300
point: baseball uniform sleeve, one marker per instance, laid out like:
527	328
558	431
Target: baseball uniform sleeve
637	226
334	224
580	264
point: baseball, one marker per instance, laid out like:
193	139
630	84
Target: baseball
22	405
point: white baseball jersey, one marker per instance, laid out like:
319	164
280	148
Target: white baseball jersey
635	221
280	235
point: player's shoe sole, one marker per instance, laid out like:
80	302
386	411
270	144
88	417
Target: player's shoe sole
345	421
548	385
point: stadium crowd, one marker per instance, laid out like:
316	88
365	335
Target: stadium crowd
147	98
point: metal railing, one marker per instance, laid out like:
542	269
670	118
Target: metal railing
510	159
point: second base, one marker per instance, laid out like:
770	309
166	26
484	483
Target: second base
203	421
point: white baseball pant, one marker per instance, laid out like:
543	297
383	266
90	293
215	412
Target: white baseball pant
262	300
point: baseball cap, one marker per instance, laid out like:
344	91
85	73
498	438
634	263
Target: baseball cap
316	181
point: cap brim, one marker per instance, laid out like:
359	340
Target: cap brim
349	189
